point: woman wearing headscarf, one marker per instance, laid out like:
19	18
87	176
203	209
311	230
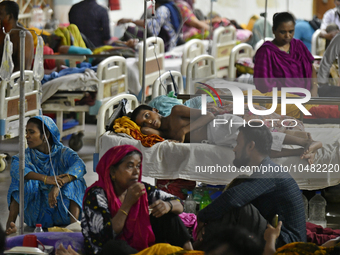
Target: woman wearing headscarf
123	214
165	24
54	180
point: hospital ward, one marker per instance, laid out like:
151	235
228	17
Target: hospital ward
168	127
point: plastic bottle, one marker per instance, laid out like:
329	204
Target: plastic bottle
317	210
206	200
305	205
190	204
38	228
48	12
37	17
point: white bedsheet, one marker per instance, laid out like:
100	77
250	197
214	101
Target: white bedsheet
168	160
86	81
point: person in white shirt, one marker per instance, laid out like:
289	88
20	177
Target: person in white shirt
333	51
331	16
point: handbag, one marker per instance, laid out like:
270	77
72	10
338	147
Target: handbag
118	112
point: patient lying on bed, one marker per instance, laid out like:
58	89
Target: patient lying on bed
185	124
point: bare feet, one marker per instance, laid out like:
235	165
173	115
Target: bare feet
310	149
11	228
62	251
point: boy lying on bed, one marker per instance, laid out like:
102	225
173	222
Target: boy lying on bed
186	125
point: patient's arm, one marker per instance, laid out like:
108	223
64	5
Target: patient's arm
197	120
151	131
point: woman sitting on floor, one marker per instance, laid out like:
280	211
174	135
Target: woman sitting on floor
119	207
50	168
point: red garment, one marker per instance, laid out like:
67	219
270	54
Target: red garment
49	64
319	235
137	231
175	187
114	5
324	112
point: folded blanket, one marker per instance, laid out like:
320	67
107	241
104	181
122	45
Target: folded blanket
127	126
307	249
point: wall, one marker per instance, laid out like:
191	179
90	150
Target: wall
240	10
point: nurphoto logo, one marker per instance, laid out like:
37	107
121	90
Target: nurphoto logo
238	102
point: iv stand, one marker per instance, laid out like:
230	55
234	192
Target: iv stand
22	35
265	21
210	27
144	53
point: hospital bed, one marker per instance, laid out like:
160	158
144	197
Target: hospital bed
9	103
111	80
168	160
200	69
154	66
318	44
9	107
242	50
224	39
168	81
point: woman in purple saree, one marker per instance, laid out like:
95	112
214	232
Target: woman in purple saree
285	61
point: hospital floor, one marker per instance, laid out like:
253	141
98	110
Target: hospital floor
86	153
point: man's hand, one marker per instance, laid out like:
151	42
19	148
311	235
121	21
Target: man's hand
272	233
123	21
330	35
159	208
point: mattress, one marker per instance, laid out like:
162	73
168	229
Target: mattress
168	160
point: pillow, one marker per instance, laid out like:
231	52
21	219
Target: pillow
118	112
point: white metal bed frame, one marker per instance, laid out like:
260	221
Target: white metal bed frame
112	75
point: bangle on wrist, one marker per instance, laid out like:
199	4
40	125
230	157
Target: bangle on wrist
45	179
69	177
171	206
123	212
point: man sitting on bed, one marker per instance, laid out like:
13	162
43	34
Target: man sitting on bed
186	124
9	12
255	201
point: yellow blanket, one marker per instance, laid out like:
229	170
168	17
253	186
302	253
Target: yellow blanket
167	249
70	36
127	126
299	248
